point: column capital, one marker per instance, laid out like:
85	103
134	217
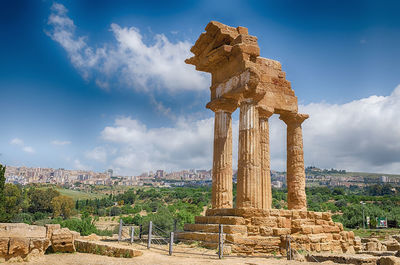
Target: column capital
224	104
265	112
293	118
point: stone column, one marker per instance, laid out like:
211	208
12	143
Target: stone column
295	175
266	192
222	196
248	177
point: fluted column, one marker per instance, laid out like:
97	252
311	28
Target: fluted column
222	196
248	178
266	191
295	175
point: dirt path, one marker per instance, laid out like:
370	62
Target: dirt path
183	255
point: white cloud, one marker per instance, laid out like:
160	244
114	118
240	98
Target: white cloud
17	141
78	165
28	149
362	135
128	61
57	142
141	149
98	154
20	143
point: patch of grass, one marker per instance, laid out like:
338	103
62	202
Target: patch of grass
79	195
380	233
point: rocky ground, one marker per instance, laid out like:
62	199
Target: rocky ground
183	254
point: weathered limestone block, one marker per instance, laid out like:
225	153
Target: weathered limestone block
281	231
4	246
40	244
62	240
284	222
21	230
18	246
391	245
101	248
265	221
389	261
50	228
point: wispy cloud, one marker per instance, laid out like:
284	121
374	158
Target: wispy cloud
19	142
128	61
57	142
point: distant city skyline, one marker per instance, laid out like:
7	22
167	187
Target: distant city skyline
103	85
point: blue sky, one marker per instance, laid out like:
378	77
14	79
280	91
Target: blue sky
102	84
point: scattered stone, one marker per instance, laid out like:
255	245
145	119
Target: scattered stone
389	261
62	240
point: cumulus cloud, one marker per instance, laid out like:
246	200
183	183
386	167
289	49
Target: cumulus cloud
78	165
141	149
98	154
128	60
57	142
362	135
21	144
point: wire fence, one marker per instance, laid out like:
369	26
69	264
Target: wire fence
158	238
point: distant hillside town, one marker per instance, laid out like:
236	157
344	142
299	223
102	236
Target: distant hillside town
161	178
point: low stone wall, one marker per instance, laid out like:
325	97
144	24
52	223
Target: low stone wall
101	248
254	231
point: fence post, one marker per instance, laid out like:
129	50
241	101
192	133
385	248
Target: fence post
140	232
120	230
171	242
132	233
220	241
288	248
149	237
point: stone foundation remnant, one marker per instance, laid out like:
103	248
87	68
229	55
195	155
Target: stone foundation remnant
240	78
20	241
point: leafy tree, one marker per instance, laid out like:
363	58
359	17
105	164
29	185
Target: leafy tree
12	201
23	218
62	206
40	199
115	211
3	217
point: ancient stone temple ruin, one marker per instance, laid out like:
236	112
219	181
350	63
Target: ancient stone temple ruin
241	79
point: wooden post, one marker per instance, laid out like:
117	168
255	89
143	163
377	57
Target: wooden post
120	230
171	242
220	241
149	238
132	233
140	232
